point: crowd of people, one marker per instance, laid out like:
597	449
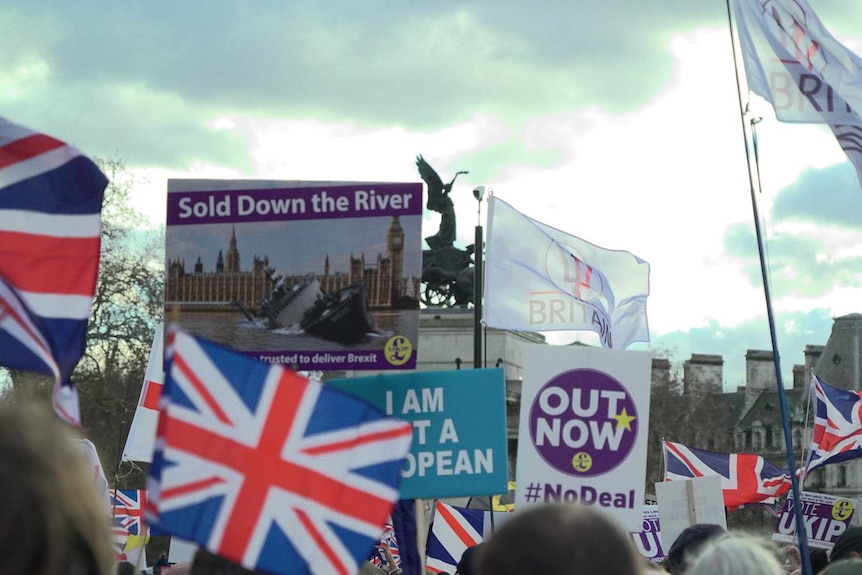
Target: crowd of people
52	522
573	540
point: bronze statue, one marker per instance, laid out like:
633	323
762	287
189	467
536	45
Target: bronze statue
447	271
439	201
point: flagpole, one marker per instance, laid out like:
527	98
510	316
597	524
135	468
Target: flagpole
788	439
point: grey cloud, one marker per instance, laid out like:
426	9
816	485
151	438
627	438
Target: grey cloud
824	196
799	265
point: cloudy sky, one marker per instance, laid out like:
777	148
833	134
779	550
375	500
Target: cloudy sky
615	121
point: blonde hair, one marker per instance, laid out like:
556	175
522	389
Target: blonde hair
736	555
52	521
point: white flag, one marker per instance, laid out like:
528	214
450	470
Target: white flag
793	61
142	434
538	278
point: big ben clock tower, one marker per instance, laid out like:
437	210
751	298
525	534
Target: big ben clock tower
395	251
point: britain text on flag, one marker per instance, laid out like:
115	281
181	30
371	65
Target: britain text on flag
796	64
267	468
746	478
50	227
539	278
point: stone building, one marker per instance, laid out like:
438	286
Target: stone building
223	286
385	283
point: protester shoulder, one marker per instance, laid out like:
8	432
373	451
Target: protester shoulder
52	521
551	539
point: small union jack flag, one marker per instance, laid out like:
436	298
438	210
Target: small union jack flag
746	478
128	509
453	530
388	538
837	425
267	468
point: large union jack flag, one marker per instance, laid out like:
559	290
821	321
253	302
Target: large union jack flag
837	425
746	478
267	468
50	228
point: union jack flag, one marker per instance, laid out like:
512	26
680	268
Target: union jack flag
128	509
746	478
388	538
837	425
266	468
50	228
453	530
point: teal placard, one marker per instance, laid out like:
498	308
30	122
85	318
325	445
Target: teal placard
459	428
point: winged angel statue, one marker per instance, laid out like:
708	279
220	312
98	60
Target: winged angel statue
447	271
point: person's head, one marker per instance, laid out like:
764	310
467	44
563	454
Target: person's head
126	568
206	563
843	567
553	539
182	568
52	520
848	545
688	544
735	556
468	560
819	559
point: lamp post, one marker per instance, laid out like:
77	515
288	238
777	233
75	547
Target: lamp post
478	193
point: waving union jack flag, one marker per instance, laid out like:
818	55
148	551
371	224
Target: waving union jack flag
50	226
837	425
746	478
267	468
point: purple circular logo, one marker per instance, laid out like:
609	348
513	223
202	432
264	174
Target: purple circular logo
583	422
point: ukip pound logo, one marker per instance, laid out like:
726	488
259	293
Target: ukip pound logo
583	423
789	23
566	268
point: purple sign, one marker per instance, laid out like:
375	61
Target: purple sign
583	423
648	539
301	203
826	518
317	276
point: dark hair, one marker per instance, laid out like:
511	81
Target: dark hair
206	563
554	539
125	568
466	565
689	543
847	542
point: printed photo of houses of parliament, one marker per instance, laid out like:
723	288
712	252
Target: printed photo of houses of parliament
211	300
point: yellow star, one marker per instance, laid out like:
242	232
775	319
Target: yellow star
624	419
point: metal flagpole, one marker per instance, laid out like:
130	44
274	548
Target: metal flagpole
788	440
478	268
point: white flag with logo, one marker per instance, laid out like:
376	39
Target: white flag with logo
793	61
538	278
141	440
